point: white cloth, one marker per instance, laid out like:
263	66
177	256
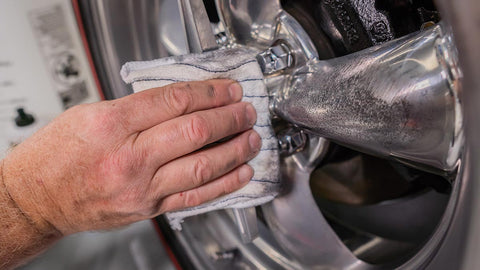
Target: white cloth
238	64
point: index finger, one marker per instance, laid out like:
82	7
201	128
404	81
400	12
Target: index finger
153	106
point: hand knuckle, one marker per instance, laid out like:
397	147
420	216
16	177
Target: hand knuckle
202	171
197	130
226	188
192	198
178	99
241	151
238	119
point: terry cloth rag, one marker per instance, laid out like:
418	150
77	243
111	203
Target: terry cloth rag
238	64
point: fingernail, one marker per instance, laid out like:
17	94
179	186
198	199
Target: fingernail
235	91
254	141
245	174
251	114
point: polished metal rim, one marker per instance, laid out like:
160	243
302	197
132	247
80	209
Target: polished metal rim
294	233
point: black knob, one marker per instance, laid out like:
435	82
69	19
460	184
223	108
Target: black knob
23	119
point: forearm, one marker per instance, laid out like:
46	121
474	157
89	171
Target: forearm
20	238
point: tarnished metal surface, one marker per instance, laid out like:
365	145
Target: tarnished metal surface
397	100
374	21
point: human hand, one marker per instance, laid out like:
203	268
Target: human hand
111	163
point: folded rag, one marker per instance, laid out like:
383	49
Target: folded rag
238	64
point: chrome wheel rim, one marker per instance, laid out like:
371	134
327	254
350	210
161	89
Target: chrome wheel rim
296	244
211	240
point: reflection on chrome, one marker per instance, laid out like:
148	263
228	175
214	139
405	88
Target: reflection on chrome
398	100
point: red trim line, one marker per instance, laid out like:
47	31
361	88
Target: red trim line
76	9
170	253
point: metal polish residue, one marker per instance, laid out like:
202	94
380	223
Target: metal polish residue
392	100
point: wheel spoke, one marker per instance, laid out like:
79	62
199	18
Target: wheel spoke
310	238
397	100
199	32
